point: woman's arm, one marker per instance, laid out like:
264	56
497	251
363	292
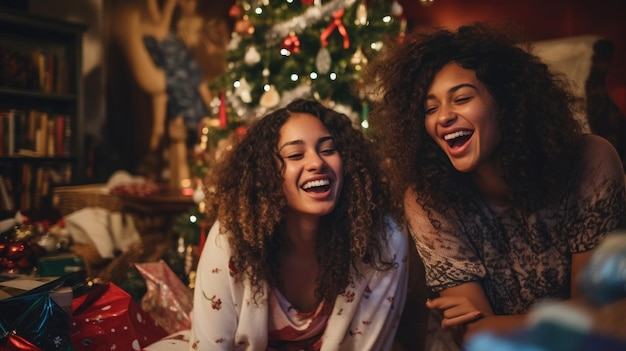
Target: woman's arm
465	306
467	311
214	318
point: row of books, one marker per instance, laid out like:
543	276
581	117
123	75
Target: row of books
34	186
34	133
36	69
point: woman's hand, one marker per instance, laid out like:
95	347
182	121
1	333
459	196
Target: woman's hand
457	310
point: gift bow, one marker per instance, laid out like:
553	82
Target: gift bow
336	23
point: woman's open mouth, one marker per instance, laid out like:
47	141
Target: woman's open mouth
317	186
458	138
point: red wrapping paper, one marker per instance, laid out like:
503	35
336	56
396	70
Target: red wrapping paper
107	318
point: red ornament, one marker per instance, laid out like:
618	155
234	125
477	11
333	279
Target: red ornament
235	11
16	250
292	43
308	2
223	118
244	27
241	131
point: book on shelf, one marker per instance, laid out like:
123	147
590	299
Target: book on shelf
10	131
6	195
46	68
59	135
35	133
34	187
62	81
67	138
2	136
25	186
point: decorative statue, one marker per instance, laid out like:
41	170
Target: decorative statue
173	52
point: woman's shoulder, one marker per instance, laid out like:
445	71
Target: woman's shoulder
216	240
597	152
396	235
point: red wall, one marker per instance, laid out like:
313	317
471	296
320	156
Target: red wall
541	19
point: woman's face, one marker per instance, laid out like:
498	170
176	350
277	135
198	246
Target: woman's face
461	118
313	168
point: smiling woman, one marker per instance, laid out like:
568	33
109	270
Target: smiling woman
505	197
307	250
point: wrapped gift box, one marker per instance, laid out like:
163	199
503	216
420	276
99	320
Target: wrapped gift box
60	264
34	312
107	318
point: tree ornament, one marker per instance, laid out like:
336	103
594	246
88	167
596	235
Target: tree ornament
243	91
244	27
198	194
337	22
252	56
307	2
358	59
323	60
361	14
270	98
222	111
292	43
402	32
235	11
396	9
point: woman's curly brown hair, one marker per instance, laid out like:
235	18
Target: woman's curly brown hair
245	193
540	137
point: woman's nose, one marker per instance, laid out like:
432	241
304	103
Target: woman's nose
315	162
446	116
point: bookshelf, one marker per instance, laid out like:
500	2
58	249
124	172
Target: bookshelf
41	126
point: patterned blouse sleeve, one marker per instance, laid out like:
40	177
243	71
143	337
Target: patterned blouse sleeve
215	311
600	204
448	257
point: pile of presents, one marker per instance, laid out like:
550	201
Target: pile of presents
71	313
47	302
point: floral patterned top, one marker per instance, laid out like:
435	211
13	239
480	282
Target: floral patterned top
365	317
522	259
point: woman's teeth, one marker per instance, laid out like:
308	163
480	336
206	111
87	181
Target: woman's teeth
455	135
315	183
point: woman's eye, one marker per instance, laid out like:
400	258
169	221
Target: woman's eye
462	100
328	151
294	156
430	110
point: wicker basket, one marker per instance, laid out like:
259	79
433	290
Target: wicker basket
72	198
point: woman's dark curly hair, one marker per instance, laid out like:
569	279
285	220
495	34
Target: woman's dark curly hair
540	137
245	193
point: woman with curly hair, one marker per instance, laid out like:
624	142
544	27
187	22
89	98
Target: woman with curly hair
504	196
307	250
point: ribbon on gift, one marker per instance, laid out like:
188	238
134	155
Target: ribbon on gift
18	343
337	23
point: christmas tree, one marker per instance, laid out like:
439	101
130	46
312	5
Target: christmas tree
283	49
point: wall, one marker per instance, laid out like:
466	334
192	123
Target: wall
541	20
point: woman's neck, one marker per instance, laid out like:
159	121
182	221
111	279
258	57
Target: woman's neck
300	234
491	185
